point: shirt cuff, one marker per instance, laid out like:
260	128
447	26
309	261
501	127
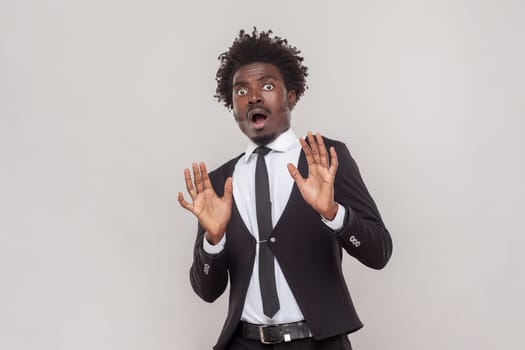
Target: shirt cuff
213	249
339	220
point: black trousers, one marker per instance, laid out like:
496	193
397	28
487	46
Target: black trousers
339	342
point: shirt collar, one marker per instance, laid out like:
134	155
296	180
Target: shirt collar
282	143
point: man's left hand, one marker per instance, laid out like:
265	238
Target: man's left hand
318	188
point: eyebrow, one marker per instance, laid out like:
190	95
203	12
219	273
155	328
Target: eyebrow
266	77
261	78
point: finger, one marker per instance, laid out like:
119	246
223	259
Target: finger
183	203
314	147
307	151
296	175
205	178
189	184
197	179
334	163
323	155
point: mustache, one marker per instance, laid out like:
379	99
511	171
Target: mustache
257	106
250	108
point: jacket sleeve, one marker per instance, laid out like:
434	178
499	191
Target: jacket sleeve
209	272
363	235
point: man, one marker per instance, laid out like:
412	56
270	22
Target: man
275	219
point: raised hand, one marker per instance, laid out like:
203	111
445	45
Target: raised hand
213	212
318	188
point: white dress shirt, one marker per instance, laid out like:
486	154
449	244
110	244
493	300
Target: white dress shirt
285	149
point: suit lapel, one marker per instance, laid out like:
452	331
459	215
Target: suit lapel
295	195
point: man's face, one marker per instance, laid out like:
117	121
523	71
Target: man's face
261	104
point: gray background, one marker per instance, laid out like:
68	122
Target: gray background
103	103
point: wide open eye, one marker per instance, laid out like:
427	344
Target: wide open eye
242	91
268	87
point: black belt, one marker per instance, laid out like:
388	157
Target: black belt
274	334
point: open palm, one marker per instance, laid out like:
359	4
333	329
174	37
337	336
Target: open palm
318	188
212	211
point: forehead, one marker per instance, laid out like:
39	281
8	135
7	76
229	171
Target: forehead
255	71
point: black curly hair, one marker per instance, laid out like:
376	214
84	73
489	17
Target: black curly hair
260	47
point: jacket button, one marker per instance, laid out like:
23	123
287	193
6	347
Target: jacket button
272	239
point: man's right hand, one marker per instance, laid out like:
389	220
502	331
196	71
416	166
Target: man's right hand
212	211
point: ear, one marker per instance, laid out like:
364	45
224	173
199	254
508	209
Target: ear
292	99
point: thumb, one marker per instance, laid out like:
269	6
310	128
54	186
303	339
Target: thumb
295	174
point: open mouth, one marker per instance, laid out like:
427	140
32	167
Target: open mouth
259	120
258	117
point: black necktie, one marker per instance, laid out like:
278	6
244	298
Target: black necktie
270	299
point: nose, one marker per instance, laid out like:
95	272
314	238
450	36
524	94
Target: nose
255	97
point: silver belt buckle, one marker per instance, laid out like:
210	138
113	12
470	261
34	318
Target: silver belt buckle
263	339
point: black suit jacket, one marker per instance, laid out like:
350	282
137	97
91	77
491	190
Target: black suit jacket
308	252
